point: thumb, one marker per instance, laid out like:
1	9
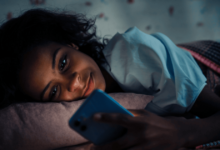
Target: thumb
139	112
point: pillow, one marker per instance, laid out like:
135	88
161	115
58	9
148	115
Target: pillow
45	125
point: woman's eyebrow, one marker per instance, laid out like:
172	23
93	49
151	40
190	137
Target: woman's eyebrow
54	57
53	66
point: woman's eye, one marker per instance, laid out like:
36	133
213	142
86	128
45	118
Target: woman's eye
63	63
53	93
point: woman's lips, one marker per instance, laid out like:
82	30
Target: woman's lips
90	86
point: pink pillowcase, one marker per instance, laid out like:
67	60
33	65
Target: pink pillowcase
45	125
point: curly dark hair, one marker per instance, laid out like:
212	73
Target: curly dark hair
38	27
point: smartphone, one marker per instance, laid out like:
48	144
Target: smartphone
97	132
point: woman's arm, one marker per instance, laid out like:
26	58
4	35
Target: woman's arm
207	107
202	131
207	103
149	131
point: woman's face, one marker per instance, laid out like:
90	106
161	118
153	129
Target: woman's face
59	73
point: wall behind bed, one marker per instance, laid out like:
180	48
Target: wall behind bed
181	20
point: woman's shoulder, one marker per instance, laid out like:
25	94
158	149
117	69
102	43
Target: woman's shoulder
131	38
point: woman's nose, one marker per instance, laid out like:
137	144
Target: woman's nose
74	82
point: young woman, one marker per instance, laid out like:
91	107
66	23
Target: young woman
47	56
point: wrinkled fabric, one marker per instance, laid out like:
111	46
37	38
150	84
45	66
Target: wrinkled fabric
154	65
44	125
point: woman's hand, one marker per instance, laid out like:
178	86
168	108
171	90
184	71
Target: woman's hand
145	131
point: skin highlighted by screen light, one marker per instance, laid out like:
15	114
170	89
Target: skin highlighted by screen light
59	73
90	86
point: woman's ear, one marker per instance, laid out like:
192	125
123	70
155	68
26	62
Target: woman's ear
74	46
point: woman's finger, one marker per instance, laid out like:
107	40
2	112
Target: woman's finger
120	119
121	143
